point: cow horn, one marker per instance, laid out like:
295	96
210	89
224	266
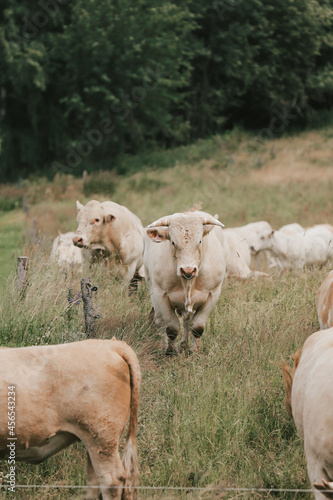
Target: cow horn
211	220
163	221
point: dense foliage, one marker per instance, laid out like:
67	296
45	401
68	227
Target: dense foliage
82	82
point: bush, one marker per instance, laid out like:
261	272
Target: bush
99	183
8	204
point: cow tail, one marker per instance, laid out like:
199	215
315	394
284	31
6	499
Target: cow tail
288	377
130	457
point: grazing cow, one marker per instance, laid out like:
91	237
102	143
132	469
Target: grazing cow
64	252
184	268
313	246
237	255
327	226
82	391
325	302
114	229
294	227
252	234
309	400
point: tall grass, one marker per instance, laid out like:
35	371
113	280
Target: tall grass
212	419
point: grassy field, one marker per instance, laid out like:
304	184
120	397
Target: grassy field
207	420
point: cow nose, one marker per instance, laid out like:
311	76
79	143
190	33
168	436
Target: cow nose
78	242
188	272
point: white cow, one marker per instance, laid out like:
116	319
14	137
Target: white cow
325	303
252	234
237	255
115	230
292	228
184	268
81	391
309	399
313	246
64	252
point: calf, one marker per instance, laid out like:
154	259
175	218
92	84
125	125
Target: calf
83	391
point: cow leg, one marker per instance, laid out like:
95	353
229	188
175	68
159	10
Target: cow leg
199	319
320	476
130	271
109	473
166	317
92	493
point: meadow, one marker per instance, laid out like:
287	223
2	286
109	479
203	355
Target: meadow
213	419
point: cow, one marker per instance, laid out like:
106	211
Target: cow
184	267
237	255
325	303
309	401
81	391
252	234
313	246
64	252
116	231
292	228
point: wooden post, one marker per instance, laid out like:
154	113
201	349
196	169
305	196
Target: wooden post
22	274
88	306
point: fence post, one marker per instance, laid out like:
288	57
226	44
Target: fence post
22	273
88	306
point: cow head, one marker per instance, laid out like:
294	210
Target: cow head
184	233
264	241
92	221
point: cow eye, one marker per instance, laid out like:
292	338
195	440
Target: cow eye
200	242
173	243
96	220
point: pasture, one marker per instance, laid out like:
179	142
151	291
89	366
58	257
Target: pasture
206	420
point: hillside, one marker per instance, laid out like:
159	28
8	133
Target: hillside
212	419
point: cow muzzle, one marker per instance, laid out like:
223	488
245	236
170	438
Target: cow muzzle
188	272
78	241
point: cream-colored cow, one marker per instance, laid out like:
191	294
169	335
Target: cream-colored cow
82	391
64	252
184	268
325	302
309	401
116	231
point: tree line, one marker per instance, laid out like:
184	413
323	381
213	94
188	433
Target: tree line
83	82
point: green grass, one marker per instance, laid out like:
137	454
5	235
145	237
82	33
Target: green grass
212	419
11	241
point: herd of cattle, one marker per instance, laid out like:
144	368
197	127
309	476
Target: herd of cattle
184	258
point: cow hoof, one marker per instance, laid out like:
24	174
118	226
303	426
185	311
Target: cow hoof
170	351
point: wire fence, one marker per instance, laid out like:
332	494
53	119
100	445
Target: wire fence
217	489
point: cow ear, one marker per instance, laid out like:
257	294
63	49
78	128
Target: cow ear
109	218
207	228
158	234
79	205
